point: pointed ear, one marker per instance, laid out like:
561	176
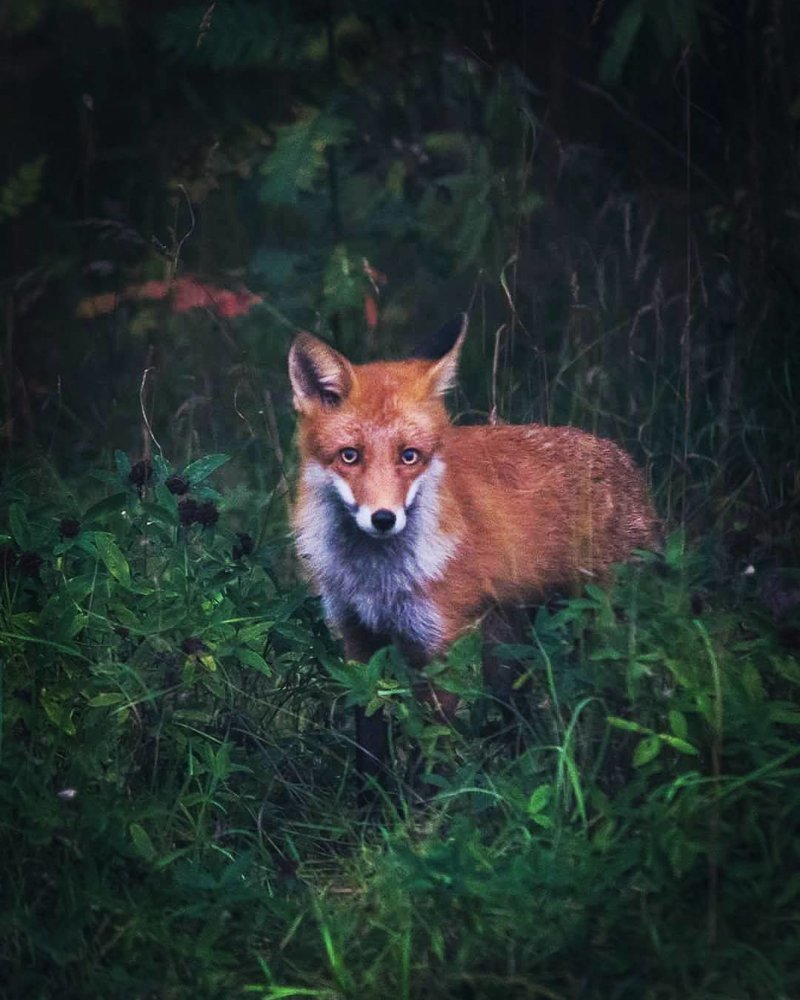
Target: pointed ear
443	348
318	373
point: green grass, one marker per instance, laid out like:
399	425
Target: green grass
178	814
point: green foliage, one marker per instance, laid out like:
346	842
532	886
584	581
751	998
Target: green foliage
178	809
22	190
299	156
228	35
22	16
674	25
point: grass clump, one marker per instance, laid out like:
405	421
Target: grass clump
178	805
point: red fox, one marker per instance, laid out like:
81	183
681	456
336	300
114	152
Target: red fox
414	529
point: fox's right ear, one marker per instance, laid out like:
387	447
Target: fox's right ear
444	348
318	373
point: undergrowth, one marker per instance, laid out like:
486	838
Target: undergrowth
178	799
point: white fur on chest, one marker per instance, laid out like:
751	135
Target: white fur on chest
381	582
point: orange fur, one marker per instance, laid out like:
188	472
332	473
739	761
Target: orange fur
544	509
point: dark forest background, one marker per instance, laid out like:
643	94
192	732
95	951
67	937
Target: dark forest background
611	189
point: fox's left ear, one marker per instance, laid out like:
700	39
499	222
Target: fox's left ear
319	374
444	348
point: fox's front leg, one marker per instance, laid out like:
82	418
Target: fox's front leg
372	733
501	674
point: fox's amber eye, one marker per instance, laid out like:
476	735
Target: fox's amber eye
408	456
349	455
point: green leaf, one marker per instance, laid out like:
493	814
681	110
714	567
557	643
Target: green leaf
396	178
107	698
125	616
22	189
208	661
784	712
677	723
682	745
255	635
647	750
466	651
105	508
451	145
344	282
293	631
599	596
606	653
79	623
18	524
57	711
115	561
373	705
142	842
625	31
197	471
164	506
255	660
298	158
437	780
161	468
631	727
787	667
34	640
539	798
751	682
347	674
675	549
165	616
123	464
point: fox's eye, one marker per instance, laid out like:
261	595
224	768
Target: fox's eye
349	455
408	456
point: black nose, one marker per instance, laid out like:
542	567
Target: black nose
383	520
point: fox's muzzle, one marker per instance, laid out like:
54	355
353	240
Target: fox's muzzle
381	523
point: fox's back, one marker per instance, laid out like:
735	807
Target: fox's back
539	508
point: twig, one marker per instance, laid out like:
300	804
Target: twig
173	266
598	11
8	372
239	413
149	436
495	361
205	23
686	337
271	423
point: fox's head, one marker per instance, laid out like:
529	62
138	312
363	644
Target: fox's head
371	432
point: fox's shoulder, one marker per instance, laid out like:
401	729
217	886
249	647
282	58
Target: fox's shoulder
515	455
462	440
528	437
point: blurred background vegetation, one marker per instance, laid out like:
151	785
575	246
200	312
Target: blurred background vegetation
611	188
